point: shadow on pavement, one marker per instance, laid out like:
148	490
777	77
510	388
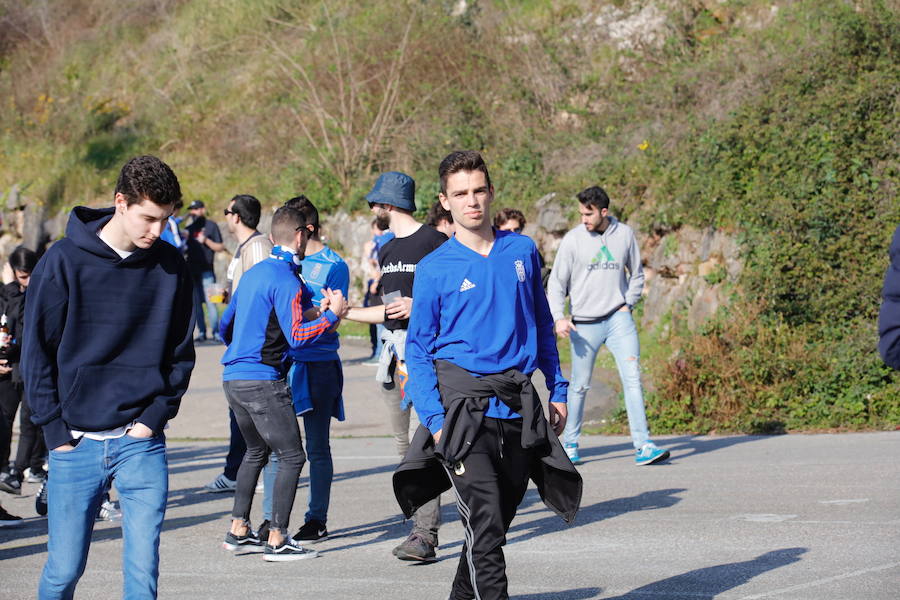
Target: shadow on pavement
607	509
576	594
707	583
680	447
103	535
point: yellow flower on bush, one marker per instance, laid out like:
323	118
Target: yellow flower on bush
643	145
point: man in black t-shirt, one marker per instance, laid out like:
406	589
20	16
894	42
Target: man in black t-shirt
393	198
203	241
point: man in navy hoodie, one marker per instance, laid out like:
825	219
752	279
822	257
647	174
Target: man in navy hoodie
107	356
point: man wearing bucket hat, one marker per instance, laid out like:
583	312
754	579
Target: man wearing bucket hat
393	198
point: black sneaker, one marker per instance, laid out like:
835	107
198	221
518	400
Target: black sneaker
287	550
249	542
8	520
40	501
10	483
417	548
312	531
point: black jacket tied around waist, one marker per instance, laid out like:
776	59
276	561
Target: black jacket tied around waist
420	477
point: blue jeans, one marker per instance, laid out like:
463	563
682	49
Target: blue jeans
325	391
620	335
79	480
201	282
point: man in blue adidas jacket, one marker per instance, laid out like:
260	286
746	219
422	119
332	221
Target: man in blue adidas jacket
107	355
478	304
270	314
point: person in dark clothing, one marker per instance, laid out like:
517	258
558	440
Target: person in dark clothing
470	383
104	372
889	317
393	198
203	240
31	451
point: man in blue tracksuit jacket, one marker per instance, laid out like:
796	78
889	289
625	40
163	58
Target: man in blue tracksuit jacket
317	381
479	310
107	356
271	312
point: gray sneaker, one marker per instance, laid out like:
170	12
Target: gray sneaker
416	548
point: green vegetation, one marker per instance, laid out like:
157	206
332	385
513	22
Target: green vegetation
776	121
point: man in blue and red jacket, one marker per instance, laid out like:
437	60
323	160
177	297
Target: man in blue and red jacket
271	313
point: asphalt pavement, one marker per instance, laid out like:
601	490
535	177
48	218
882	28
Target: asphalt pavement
793	517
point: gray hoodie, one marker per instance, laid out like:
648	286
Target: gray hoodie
591	268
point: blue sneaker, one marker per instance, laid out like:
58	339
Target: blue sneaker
649	454
572	453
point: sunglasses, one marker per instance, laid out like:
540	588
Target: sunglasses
229	212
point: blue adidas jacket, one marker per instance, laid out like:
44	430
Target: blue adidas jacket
265	319
107	340
484	314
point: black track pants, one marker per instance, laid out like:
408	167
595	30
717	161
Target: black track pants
488	490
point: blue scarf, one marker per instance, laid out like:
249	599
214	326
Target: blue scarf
279	253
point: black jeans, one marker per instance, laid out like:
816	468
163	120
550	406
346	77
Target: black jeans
10	397
265	414
31	452
488	492
236	448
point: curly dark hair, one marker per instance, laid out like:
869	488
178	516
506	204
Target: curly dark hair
148	178
506	214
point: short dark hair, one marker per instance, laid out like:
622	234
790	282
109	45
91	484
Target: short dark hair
462	160
285	223
506	214
437	213
147	177
248	209
309	211
23	259
594	196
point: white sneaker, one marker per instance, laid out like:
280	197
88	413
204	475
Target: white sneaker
109	512
221	484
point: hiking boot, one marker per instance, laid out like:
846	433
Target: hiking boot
312	531
417	548
9	483
108	512
572	453
649	454
40	501
221	484
8	520
249	542
288	550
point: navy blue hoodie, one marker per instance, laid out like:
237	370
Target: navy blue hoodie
107	340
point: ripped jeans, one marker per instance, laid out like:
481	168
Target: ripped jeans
620	335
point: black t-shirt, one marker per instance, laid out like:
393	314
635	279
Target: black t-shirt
200	256
398	259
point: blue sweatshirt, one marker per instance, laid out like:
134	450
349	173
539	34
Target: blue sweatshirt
324	269
107	340
265	319
484	314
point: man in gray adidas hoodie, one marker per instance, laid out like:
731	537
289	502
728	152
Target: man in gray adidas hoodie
598	266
